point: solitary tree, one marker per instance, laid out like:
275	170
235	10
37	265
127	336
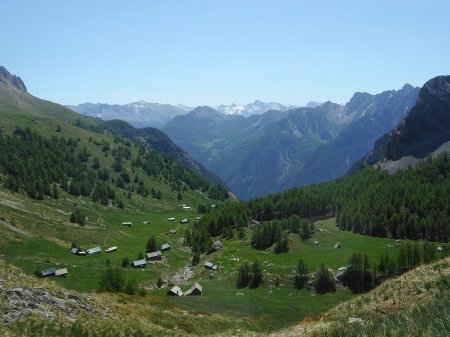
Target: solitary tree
244	276
301	277
257	275
152	245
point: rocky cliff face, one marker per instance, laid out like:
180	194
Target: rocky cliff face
425	128
12	80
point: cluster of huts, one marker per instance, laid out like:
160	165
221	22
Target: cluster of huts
184	220
195	290
91	251
151	257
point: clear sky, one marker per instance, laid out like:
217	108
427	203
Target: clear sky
198	52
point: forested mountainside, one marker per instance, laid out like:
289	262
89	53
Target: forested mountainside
49	152
411	204
154	139
267	153
423	131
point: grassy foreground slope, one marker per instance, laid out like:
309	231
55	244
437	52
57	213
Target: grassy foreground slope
415	304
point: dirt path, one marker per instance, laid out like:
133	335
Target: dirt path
15	229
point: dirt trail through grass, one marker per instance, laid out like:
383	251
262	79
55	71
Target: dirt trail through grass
15	229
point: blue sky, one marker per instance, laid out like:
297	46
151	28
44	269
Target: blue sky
218	52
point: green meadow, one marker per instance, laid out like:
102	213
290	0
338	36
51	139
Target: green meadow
274	305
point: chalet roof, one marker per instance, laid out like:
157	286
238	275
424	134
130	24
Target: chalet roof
48	272
185	220
61	272
171	219
165	246
153	255
175	291
127	223
74	250
338	245
173	231
111	249
196	289
209	264
139	263
94	250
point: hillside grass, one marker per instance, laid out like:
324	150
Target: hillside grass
269	307
414	304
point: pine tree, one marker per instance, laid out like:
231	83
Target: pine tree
244	276
257	276
152	246
301	276
324	282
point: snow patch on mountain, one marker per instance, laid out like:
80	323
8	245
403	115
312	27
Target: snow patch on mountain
255	108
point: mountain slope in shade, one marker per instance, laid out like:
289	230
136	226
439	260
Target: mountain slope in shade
375	115
424	130
276	150
139	114
252	154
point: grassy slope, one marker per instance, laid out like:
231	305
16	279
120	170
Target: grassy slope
269	307
414	304
98	314
48	233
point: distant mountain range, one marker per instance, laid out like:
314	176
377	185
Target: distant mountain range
261	148
142	114
139	114
276	150
255	108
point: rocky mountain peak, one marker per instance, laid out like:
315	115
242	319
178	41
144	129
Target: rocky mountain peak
438	88
407	86
12	80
